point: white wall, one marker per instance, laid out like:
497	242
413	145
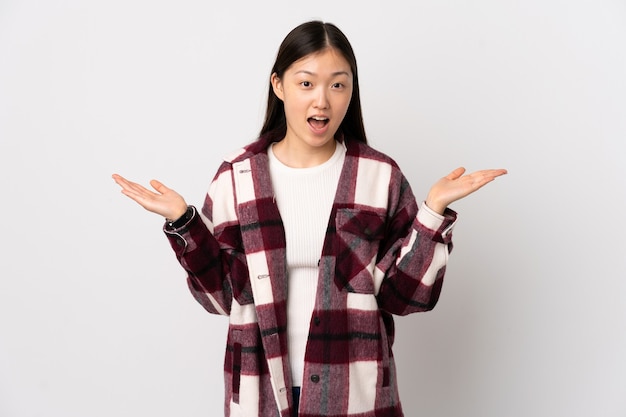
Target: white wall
95	317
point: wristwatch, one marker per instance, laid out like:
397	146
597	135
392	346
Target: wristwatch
182	220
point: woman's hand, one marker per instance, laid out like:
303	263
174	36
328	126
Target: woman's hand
455	186
166	202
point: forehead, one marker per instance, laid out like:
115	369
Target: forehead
326	61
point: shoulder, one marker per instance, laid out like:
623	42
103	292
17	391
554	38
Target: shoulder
364	151
223	177
240	155
259	146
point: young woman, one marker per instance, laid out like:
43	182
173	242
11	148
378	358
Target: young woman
310	240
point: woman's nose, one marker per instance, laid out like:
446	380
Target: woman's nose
321	100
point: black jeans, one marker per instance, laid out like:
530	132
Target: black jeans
296	401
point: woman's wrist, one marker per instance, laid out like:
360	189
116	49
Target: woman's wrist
181	220
435	206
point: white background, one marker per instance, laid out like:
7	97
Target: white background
95	317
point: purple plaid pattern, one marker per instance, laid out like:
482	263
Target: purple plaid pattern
378	259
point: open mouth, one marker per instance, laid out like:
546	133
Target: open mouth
317	122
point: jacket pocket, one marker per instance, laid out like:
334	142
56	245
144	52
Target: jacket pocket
233	362
245	359
359	233
236	382
234	263
238	275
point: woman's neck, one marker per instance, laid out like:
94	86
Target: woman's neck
295	156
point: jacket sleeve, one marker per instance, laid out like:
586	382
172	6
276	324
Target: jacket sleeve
208	247
413	254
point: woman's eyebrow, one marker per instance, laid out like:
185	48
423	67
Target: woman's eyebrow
334	74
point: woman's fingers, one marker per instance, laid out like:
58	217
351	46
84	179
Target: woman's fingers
456	186
159	187
164	201
456	173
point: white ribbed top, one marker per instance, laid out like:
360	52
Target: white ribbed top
304	197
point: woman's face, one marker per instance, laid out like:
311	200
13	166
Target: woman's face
316	92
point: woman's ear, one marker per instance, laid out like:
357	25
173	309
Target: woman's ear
277	86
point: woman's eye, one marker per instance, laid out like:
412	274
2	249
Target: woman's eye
337	85
305	83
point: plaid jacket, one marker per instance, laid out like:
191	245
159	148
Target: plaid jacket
380	257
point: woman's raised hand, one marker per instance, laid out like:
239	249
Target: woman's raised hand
455	186
166	202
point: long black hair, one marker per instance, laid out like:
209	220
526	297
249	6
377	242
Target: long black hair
305	39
